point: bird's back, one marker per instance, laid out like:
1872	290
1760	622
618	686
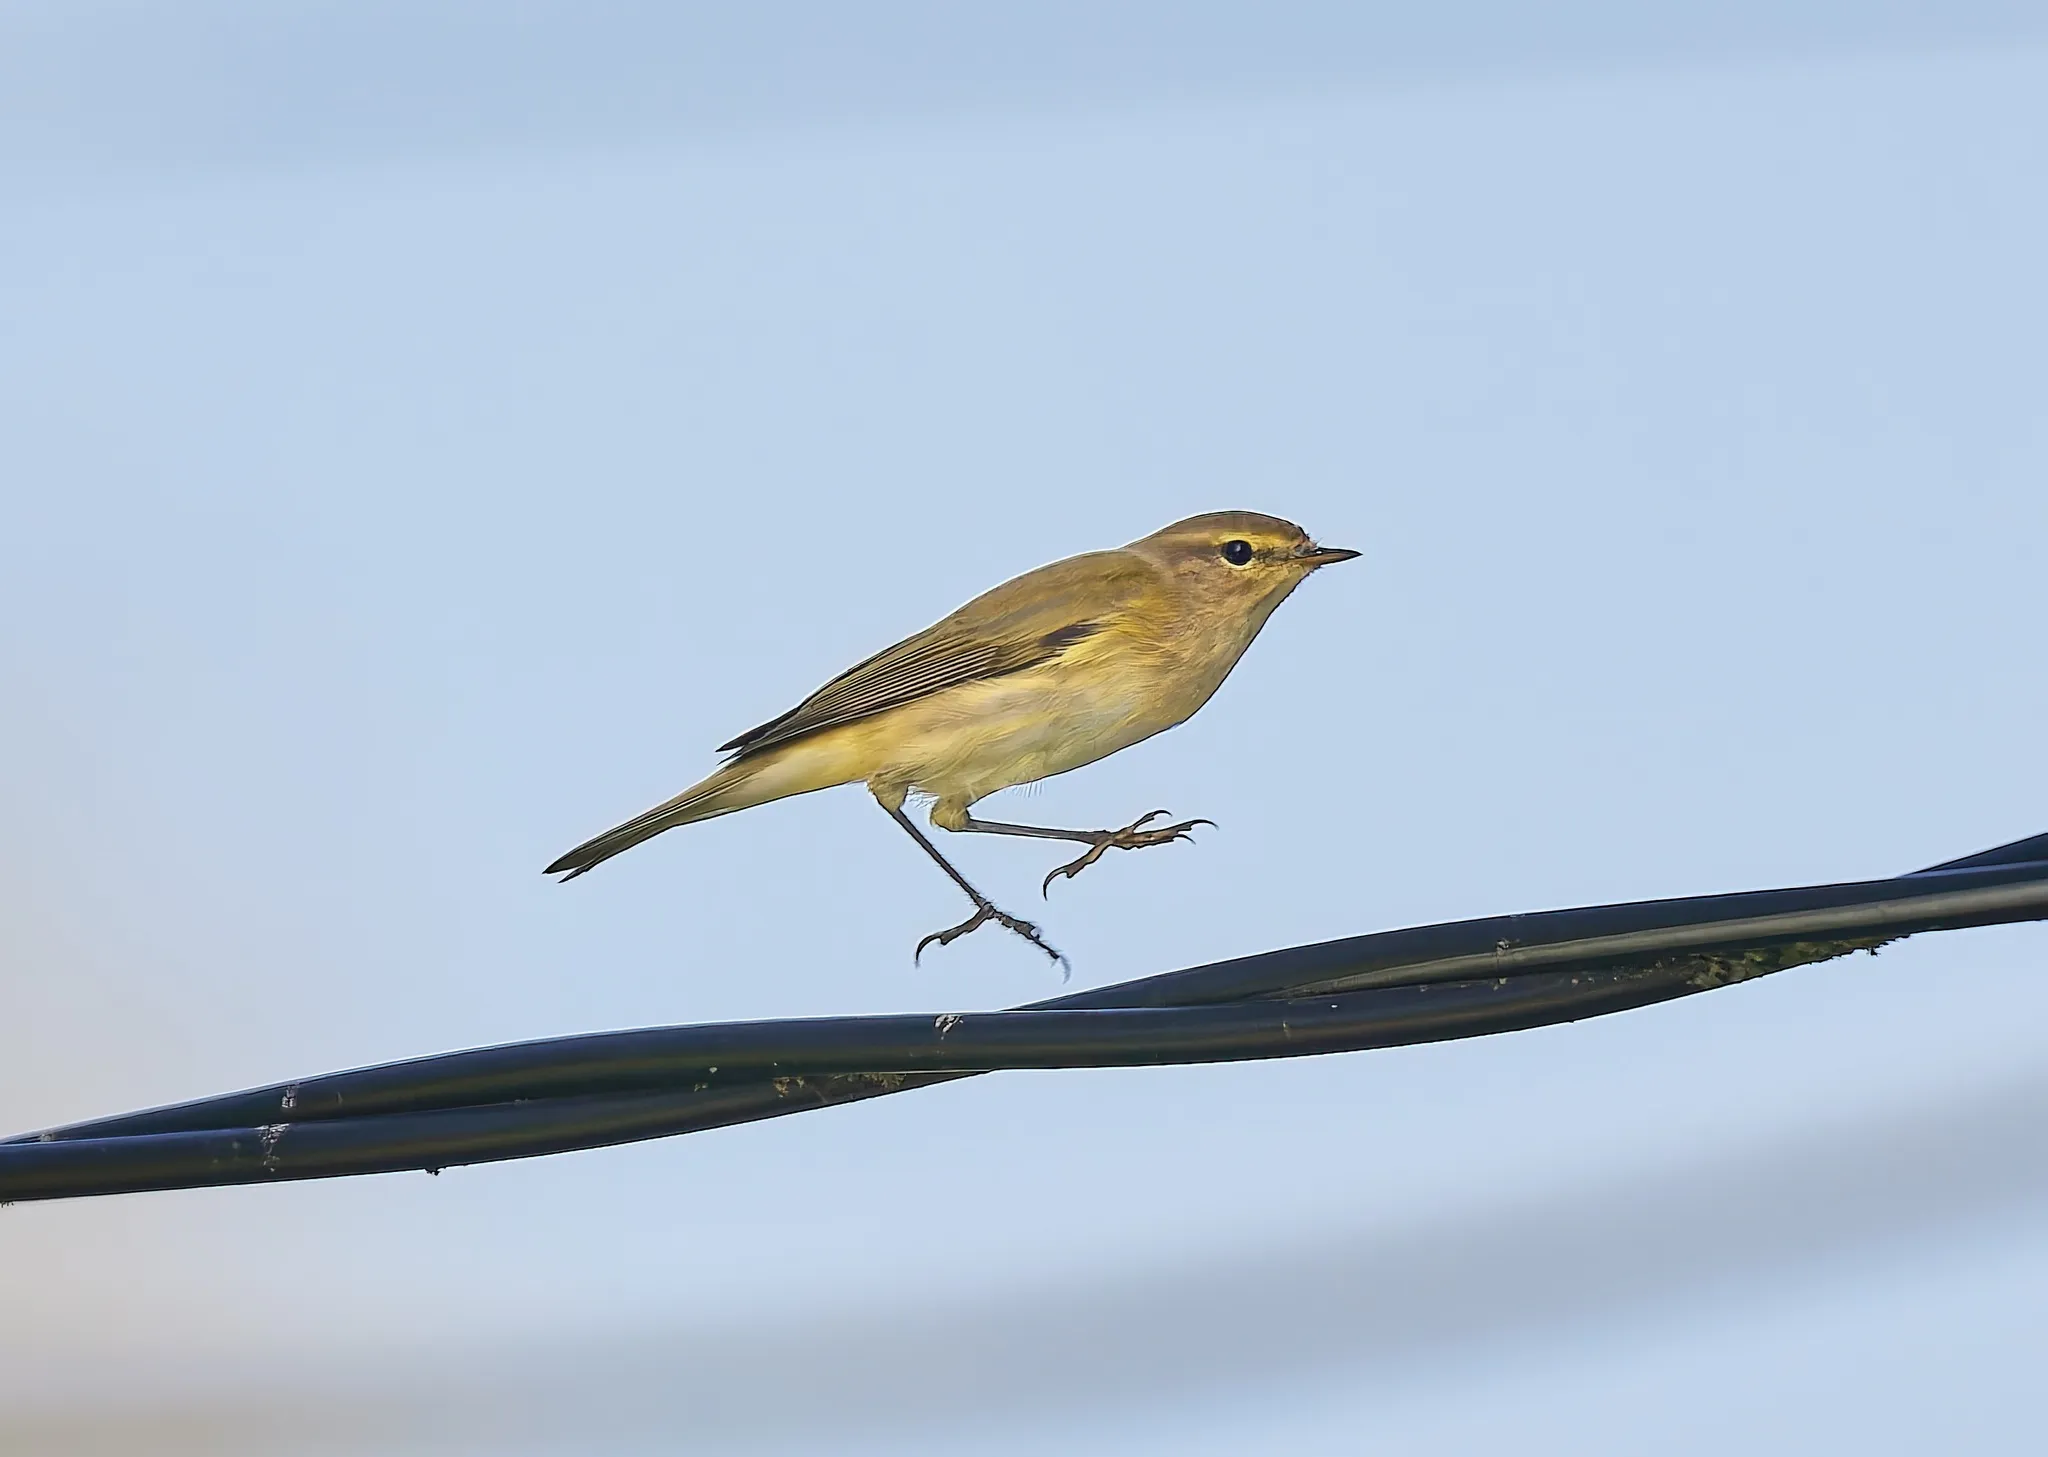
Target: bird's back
1028	621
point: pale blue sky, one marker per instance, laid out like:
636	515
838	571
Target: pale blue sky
423	442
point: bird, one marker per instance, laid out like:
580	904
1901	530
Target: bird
1054	669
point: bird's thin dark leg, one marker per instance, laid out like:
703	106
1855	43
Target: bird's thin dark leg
985	910
1133	836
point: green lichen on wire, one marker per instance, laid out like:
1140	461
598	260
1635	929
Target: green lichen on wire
1722	968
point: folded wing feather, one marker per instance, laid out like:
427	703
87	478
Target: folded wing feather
1024	622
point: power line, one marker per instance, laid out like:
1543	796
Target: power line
1420	984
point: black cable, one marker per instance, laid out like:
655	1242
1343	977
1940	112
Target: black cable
1420	984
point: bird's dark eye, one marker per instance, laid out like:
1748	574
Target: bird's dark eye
1237	553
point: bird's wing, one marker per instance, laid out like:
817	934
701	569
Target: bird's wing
1027	621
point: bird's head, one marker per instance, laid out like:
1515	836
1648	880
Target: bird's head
1237	560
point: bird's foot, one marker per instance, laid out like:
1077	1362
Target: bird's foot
1133	836
984	912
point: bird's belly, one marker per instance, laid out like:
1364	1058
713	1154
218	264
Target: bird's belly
976	739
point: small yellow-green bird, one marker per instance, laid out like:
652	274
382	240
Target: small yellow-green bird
1052	670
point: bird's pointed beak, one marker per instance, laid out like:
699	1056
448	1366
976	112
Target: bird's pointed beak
1323	556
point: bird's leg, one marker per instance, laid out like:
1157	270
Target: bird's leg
1133	836
985	910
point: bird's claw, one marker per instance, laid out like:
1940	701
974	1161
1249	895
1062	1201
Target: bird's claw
1133	836
984	912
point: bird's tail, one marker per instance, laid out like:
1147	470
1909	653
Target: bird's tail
741	784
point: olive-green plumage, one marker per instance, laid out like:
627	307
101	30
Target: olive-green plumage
1050	671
